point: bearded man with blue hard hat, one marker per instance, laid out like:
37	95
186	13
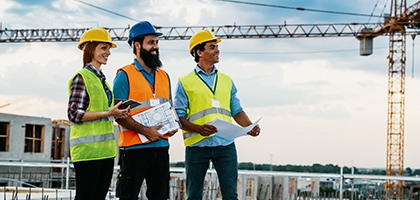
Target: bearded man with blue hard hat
144	152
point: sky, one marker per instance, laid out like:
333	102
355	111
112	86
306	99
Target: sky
318	99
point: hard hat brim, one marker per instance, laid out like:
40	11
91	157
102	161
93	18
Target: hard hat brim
80	46
218	40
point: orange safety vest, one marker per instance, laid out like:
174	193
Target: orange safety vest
140	90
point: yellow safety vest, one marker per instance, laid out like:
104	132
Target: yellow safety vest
93	140
200	110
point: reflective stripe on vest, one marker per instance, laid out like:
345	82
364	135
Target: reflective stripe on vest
92	140
140	90
200	110
201	114
146	103
208	112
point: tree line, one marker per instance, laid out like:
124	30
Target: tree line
315	168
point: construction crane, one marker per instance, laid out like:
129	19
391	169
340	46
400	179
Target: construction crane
7	104
224	32
401	18
401	21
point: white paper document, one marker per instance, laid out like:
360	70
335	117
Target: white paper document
161	114
231	131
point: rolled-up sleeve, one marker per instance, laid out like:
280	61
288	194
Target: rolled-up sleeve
235	103
180	101
78	100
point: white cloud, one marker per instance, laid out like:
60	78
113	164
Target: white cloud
5	5
40	53
180	11
33	105
69	5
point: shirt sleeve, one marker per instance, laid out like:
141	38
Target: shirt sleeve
180	101
120	87
235	103
78	100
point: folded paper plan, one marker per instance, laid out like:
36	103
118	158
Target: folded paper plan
161	114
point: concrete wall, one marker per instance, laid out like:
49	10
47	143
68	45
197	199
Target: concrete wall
17	137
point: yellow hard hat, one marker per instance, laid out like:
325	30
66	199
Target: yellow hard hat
97	34
202	36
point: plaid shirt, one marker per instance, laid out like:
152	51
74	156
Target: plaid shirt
79	98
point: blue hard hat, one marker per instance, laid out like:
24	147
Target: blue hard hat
140	29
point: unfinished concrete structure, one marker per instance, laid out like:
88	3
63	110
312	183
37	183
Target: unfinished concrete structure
36	139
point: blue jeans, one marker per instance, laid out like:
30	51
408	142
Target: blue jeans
224	158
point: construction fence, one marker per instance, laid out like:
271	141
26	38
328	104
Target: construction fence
56	180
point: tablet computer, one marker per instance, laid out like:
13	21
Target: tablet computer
131	103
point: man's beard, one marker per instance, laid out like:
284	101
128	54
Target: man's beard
150	60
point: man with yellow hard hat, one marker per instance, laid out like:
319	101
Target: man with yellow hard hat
202	96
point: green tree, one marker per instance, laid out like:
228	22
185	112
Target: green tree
416	172
178	164
408	171
246	166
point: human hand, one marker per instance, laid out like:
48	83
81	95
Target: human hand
171	133
119	113
152	133
255	131
207	129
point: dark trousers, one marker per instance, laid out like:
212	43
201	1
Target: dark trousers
150	164
93	178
